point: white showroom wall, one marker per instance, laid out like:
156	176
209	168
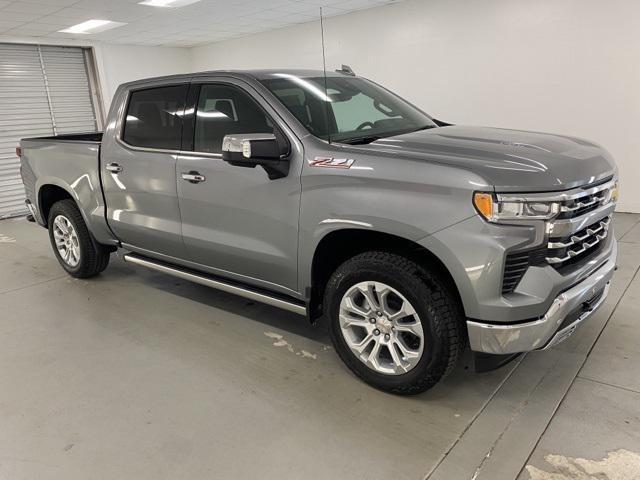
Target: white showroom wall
566	66
123	63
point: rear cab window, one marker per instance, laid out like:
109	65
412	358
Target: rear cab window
154	117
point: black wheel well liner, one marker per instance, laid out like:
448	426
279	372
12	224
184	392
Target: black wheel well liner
47	196
338	246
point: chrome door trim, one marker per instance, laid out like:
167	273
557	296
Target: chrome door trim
191	153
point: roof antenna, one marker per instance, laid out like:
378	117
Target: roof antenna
324	73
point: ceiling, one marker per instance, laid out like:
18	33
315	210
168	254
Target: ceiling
202	22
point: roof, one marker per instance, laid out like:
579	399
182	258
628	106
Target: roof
244	74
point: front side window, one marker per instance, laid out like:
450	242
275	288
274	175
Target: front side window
153	117
226	110
348	110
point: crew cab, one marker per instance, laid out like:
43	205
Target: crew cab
329	196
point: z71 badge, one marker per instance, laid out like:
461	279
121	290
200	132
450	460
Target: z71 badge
330	162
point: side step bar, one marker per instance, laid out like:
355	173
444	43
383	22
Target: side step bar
213	282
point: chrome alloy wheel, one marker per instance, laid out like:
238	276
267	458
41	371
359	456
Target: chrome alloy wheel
66	240
381	328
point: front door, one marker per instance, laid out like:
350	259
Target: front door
235	221
139	171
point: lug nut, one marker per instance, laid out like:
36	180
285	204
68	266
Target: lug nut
376	332
379	314
387	337
372	320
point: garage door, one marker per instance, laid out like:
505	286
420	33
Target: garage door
44	90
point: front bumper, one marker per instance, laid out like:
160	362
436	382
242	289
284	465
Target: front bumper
574	305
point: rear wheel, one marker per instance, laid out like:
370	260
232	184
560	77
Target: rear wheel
395	324
78	253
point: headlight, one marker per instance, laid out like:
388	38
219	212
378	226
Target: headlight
495	210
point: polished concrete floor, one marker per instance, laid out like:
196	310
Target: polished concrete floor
137	375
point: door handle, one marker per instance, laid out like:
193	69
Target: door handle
114	167
193	177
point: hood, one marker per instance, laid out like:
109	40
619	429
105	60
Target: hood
510	160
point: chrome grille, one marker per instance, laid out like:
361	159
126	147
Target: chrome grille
580	206
571	248
575	208
569	244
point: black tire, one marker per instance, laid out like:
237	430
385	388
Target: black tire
94	257
438	309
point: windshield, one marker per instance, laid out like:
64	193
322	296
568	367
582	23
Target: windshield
353	110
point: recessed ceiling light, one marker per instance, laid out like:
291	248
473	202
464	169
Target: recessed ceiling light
92	26
167	3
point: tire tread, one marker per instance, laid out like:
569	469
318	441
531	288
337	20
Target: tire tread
444	306
94	258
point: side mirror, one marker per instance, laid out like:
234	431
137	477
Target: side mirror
252	149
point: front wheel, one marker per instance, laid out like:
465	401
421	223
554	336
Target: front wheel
75	249
395	324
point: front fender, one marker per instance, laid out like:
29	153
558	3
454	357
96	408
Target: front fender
401	197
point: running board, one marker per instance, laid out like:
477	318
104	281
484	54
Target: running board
212	282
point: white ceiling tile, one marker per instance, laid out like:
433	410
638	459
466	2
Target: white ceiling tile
53	20
292	18
322	3
33	29
27	7
25	32
61	3
205	21
18	17
4	26
102	13
360	4
266	16
110	5
298	7
66	20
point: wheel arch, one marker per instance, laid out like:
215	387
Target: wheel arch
50	190
48	195
339	245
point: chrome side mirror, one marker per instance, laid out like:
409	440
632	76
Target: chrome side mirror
256	146
252	149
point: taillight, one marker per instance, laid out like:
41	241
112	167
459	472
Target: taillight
19	152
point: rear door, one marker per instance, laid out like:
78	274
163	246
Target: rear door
236	222
138	165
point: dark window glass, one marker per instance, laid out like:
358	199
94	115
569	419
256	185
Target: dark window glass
344	109
154	117
225	110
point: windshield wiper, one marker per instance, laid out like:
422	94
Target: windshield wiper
363	140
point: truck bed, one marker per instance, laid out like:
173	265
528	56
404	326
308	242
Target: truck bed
66	165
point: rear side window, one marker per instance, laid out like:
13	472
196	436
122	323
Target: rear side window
153	117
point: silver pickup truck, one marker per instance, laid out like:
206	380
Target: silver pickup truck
408	237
